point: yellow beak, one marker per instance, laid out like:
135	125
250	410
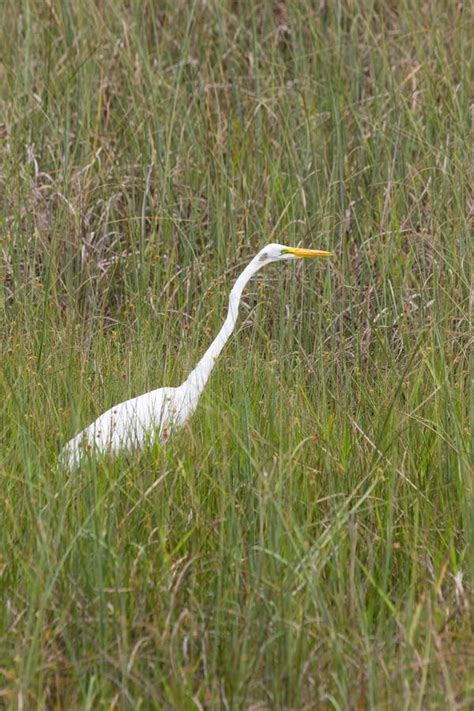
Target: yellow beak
297	252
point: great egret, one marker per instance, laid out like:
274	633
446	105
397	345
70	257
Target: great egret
158	413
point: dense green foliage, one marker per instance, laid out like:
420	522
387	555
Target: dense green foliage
303	543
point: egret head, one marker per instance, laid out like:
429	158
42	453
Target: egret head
278	252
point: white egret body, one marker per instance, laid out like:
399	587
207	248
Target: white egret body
133	423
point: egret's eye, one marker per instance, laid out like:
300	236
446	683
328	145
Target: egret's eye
263	257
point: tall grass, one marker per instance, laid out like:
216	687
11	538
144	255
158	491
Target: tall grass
303	543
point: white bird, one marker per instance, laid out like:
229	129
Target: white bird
157	414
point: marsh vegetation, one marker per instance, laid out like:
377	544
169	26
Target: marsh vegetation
302	543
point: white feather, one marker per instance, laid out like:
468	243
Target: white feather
157	414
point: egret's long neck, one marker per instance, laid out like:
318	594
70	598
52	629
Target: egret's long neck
198	377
